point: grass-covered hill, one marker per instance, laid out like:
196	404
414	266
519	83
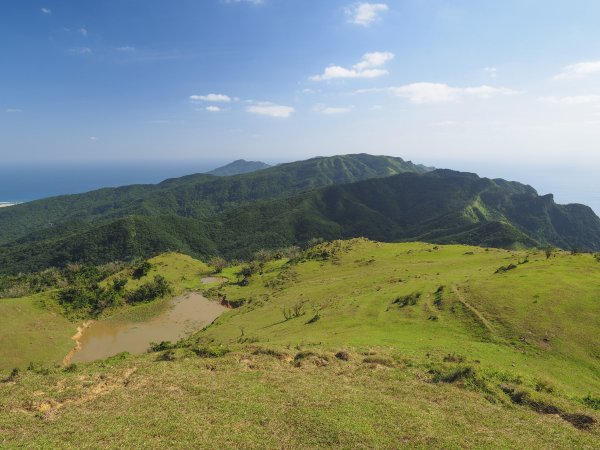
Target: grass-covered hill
352	344
238	167
196	196
440	206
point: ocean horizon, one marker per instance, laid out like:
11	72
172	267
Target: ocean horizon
21	183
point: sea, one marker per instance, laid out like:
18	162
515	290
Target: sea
22	183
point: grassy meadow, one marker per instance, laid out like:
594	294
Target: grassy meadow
355	344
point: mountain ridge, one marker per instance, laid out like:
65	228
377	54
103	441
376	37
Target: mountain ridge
442	206
238	167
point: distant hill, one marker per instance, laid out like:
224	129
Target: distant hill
441	206
197	196
238	167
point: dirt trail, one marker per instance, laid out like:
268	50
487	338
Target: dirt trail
480	317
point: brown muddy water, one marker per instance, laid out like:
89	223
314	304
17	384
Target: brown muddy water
185	314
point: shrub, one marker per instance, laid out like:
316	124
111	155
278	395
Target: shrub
342	355
14	374
452	375
163	345
210	351
294	311
453	357
157	288
314	318
407	300
218	264
504	269
592	402
438	296
141	270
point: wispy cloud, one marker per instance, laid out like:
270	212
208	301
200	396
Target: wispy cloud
211	98
93	138
424	92
126	48
370	66
83	31
12	110
46	11
571	100
213	108
365	14
492	72
271	110
579	70
331	110
81	50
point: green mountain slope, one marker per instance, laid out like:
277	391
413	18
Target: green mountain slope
353	344
441	207
196	196
238	167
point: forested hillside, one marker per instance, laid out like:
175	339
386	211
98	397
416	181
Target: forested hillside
440	206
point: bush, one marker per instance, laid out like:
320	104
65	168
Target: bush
157	288
504	269
141	270
452	375
407	300
314	319
438	297
592	402
218	264
210	351
295	311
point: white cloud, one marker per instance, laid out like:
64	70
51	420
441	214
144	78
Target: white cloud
420	93
491	71
93	138
211	98
271	110
370	66
365	14
83	32
13	110
213	108
46	10
331	110
571	100
579	70
125	48
81	50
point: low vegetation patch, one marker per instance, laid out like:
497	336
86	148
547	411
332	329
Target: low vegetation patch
407	300
504	269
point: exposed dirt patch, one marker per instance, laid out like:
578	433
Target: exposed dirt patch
210	280
77	338
100	385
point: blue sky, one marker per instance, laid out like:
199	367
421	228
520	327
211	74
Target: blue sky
464	84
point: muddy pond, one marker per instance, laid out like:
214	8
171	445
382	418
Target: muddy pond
183	316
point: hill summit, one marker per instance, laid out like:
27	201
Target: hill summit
238	167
